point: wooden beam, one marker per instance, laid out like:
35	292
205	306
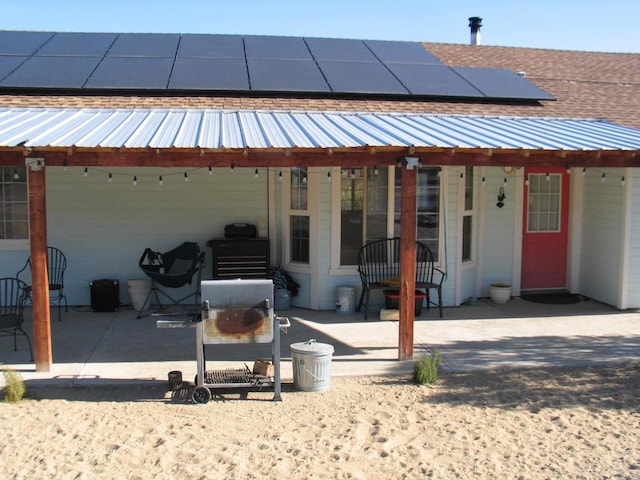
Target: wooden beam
39	275
407	261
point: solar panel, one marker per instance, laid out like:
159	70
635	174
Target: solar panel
131	72
22	43
78	44
334	49
211	46
500	83
145	45
286	75
209	74
52	72
355	77
401	52
9	63
435	80
292	48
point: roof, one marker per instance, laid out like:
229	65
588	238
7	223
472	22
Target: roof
268	129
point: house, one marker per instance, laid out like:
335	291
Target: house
113	143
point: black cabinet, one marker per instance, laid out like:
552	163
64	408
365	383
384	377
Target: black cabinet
239	257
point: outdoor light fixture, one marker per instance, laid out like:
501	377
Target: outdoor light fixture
501	197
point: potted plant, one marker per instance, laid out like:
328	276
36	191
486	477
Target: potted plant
500	292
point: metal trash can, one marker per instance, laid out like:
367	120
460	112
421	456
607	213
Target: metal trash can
311	365
345	299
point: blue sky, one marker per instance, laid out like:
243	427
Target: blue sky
594	25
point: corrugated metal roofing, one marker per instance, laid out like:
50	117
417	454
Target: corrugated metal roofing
263	129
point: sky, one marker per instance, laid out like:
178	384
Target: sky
591	25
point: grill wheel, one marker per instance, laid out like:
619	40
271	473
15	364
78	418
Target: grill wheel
201	395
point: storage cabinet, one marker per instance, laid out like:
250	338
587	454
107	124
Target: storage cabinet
239	257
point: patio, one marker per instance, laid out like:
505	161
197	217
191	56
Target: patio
115	348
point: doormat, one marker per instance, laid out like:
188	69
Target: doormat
556	298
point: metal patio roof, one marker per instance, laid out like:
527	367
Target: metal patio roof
265	129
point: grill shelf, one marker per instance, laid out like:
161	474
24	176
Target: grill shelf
234	377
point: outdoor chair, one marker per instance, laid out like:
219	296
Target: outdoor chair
173	269
56	266
379	268
12	302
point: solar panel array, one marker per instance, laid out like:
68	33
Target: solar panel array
243	64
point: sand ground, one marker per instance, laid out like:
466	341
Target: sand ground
546	423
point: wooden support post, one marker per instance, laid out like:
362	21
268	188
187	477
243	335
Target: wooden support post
39	275
407	261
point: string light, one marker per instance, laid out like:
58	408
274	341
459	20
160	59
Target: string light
584	171
622	181
329	177
568	170
604	177
86	171
304	179
547	177
64	166
375	170
505	181
110	178
16	175
186	177
255	174
353	174
461	177
135	180
484	180
526	181
210	170
233	168
160	181
280	176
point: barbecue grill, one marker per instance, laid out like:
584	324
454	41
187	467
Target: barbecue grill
239	312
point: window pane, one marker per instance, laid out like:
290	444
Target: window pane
351	215
466	238
300	239
13	203
377	194
298	188
468	188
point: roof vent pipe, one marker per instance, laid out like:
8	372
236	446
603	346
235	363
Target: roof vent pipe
475	23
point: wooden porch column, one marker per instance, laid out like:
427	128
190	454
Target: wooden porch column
407	258
39	275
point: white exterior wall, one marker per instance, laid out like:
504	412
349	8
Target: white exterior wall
498	231
103	228
632	294
601	254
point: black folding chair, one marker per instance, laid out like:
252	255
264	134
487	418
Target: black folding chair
173	269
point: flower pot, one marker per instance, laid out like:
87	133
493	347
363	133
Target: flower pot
500	292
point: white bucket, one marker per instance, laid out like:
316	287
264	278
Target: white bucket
345	299
138	292
311	365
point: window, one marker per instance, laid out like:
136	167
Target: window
370	208
427	208
363	209
543	210
14	212
467	215
299	228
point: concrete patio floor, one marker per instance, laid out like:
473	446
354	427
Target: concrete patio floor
116	348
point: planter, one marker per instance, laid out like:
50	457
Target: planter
500	292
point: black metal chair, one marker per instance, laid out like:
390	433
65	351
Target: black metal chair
56	266
173	269
12	302
379	268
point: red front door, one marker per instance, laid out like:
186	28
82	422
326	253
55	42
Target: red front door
545	228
